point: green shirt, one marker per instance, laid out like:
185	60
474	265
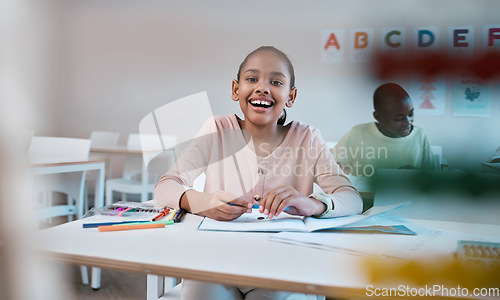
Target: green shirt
365	149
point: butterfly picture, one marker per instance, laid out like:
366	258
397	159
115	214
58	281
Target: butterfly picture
472	94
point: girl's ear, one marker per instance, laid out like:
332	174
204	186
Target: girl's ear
234	88
291	97
376	115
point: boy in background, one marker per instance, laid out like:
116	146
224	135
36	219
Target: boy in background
392	142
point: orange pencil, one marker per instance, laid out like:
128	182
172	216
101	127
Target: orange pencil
130	227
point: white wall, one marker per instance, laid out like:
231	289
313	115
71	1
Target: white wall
116	61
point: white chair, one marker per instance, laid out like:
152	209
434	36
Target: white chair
175	294
103	139
438	155
133	170
46	150
100	139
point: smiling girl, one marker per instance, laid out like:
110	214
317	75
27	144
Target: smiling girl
257	160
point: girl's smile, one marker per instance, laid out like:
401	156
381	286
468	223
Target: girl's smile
261	104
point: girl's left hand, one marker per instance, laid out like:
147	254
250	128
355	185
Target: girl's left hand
277	200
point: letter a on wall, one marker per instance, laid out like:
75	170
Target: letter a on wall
332	46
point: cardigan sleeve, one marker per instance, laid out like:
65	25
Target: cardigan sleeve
192	162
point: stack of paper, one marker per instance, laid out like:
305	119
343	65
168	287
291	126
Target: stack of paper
427	242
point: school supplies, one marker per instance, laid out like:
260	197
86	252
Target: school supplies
257	221
130	227
163	213
123	212
93	225
178	216
479	252
171	215
255	206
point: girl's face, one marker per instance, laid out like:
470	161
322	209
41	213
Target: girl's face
263	89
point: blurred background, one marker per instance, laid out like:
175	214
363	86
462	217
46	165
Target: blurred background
71	67
104	65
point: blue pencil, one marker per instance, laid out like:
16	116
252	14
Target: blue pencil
93	225
257	207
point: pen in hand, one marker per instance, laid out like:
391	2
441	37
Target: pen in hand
255	206
233	204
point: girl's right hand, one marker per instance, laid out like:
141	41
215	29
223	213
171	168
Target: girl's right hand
221	206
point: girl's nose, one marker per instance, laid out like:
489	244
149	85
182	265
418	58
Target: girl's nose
262	90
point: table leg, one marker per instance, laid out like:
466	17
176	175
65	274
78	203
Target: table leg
145	183
154	288
99	188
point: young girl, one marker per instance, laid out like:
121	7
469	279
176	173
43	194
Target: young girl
257	160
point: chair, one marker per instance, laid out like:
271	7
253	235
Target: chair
438	155
131	182
100	139
46	150
175	294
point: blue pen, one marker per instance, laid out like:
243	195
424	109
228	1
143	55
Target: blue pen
93	225
257	207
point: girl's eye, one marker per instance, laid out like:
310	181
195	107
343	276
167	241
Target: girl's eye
276	82
252	79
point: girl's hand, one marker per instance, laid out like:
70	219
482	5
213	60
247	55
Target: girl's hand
223	206
277	200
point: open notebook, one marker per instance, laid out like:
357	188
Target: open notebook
376	218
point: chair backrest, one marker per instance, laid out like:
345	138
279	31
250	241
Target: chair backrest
104	138
133	164
54	150
438	153
57	149
25	137
147	143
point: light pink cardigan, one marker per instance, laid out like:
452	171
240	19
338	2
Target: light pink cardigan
231	165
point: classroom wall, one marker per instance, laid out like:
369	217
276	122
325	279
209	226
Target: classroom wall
110	63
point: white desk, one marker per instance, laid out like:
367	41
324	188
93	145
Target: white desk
250	259
76	166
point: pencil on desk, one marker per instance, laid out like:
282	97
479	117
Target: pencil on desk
163	213
130	227
171	215
93	225
180	213
166	222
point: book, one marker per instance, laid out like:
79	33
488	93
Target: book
375	218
